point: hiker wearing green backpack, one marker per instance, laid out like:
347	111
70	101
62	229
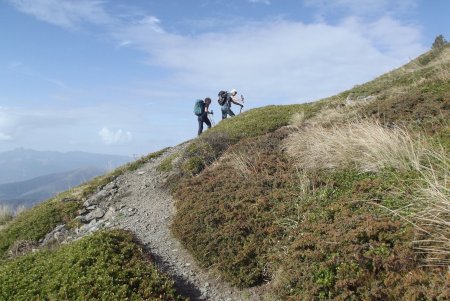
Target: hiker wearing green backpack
225	100
201	109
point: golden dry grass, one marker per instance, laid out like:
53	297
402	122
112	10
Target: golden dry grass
369	146
433	216
365	145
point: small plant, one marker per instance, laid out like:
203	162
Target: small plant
439	42
138	163
166	165
6	214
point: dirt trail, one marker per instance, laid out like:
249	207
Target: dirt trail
151	209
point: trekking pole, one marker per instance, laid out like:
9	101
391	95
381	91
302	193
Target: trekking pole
211	118
242	99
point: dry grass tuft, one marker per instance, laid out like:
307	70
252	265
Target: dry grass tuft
298	119
365	145
368	146
245	162
6	214
433	217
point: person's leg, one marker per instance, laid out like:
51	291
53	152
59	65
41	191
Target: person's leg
207	121
200	125
224	113
230	112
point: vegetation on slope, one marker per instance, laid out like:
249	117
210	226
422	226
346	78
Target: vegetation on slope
213	143
311	234
357	227
103	266
33	224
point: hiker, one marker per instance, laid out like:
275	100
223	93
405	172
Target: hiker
201	109
233	94
225	101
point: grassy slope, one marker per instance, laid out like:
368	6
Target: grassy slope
314	234
102	266
106	266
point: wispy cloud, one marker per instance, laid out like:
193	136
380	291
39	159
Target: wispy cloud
18	121
118	137
279	59
363	7
272	59
65	13
21	68
4	137
267	2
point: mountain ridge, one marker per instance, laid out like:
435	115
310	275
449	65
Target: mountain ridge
30	192
296	202
23	164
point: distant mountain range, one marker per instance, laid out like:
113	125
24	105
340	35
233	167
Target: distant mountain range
30	192
25	164
29	176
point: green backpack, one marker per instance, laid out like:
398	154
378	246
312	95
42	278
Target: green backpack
199	107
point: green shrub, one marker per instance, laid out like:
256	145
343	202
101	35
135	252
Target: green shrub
310	234
166	165
103	266
259	121
206	149
34	223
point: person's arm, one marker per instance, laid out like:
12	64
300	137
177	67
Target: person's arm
207	108
235	102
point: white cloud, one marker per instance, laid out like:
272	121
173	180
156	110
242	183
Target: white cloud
4	137
279	60
65	13
114	138
275	60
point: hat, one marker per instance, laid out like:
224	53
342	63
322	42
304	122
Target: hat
233	91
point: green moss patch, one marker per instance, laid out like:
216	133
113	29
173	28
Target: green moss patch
103	266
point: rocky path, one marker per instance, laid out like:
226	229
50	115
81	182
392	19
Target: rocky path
138	202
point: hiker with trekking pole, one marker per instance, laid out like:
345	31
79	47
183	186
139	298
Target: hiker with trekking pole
225	101
201	109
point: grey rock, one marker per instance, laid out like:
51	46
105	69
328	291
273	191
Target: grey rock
58	234
96	198
110	213
96	214
82	211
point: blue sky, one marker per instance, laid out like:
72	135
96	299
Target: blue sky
121	77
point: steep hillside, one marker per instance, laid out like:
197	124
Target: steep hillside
346	198
349	202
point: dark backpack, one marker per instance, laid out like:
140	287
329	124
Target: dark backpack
199	107
222	97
